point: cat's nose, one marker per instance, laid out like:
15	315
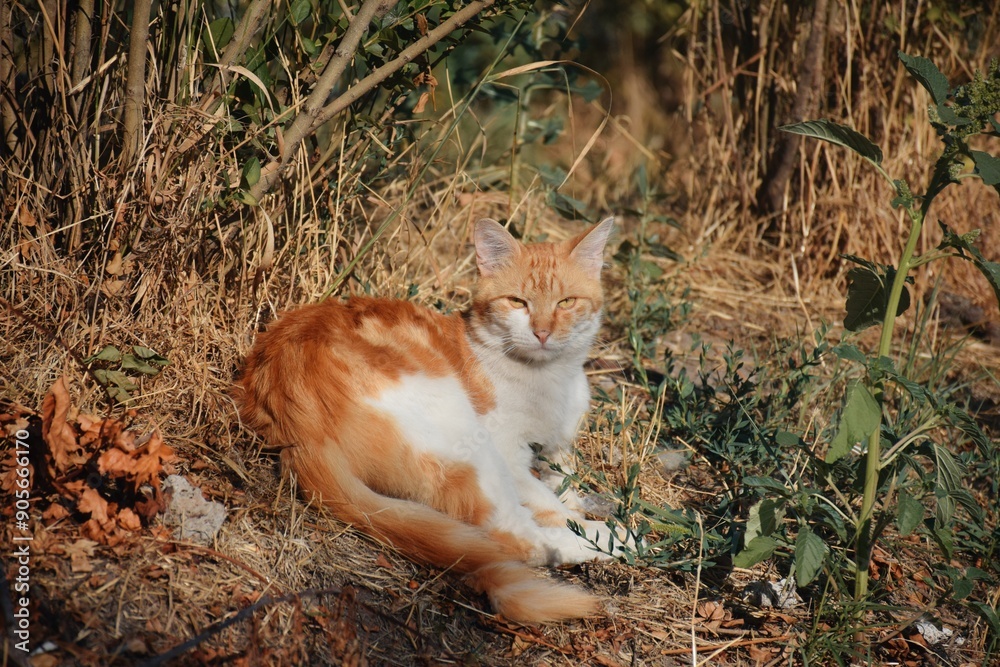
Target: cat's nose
542	335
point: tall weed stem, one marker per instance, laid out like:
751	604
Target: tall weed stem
873	462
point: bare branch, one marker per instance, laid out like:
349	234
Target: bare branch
243	34
308	120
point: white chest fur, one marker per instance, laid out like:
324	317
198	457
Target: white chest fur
535	403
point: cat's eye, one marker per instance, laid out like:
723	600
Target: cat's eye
567	303
516	302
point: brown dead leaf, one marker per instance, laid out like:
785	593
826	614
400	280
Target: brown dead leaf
92	502
112	286
161	533
105	533
27	248
712	613
712	610
150	506
421	102
422	24
115	462
95	429
761	655
150	460
114	266
9	478
25	217
75	488
142	465
80	553
56	430
54	513
128	519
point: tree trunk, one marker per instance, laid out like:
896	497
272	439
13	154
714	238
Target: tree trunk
135	83
8	117
771	194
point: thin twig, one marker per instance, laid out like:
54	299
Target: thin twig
310	120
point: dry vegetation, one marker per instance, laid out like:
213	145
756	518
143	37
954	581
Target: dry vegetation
153	244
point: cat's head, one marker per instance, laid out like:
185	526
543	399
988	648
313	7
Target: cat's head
542	301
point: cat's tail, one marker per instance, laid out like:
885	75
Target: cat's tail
492	563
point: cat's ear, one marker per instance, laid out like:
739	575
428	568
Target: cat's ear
588	248
495	247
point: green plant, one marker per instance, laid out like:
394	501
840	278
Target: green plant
652	308
116	369
877	295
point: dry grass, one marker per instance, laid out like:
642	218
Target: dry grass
201	276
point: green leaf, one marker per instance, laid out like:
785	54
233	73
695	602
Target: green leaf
829	516
810	553
131	363
987	166
668	220
150	355
651	269
868	296
251	173
768	483
568	207
909	513
966	500
988	613
949	470
963	243
118	394
765	516
962	588
929	76
220	31
118	378
590	91
916	391
755	551
552	175
945	541
660	250
948	116
309	46
838	134
860	418
786	439
107	353
943	175
964	422
903	196
849	352
299	11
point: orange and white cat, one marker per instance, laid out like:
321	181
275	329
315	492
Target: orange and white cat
417	427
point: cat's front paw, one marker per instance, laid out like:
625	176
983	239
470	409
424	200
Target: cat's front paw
616	539
567	548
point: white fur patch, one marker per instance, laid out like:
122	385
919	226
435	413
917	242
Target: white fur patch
435	415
